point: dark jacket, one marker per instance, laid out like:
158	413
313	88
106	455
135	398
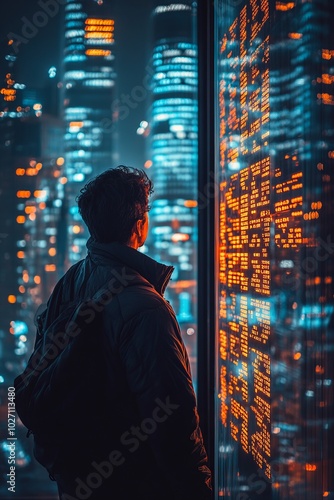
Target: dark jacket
140	436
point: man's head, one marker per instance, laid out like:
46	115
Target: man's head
114	206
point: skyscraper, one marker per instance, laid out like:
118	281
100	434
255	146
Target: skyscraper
31	202
173	158
89	81
274	336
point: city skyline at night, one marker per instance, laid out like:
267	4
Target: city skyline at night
96	83
67	87
44	50
48	159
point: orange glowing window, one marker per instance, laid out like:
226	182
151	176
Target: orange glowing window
326	98
99	34
22	289
76	229
31	171
11	299
63	180
148	164
60	161
39	193
93	28
310	467
23	194
98	52
50	268
25	277
327	54
295	36
297	356
39	166
20	219
52	252
101	22
9	94
20	171
190	203
20	254
37	279
30	210
326	79
180	237
284	6
76	125
42	205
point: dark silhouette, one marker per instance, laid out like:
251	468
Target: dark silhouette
132	424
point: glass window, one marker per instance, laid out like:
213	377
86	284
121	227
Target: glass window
274	101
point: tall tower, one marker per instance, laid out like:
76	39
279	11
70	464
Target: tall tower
275	96
173	153
31	204
89	81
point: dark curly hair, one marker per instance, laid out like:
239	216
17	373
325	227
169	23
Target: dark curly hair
112	202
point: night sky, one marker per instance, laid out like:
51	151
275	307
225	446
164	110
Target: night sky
133	41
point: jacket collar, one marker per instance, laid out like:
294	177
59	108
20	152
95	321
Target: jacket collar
155	273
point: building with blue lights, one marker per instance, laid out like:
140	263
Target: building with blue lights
173	158
89	81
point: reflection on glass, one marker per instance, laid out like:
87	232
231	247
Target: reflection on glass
275	96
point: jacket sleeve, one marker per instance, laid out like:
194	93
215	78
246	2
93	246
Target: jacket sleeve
158	373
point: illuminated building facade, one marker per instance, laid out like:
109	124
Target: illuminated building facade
275	96
40	213
89	81
33	241
10	113
173	164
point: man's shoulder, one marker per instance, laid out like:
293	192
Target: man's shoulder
139	297
69	275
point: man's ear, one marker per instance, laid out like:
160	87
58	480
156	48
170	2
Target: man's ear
138	227
141	223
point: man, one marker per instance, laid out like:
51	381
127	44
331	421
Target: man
140	436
